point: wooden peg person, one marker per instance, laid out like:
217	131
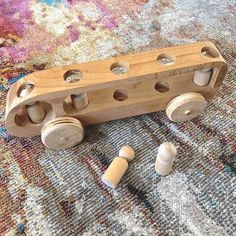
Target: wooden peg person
202	77
118	166
80	101
35	110
165	158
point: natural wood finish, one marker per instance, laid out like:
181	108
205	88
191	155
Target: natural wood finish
63	132
185	107
118	166
25	90
165	158
127	152
115	172
36	112
80	101
100	79
202	77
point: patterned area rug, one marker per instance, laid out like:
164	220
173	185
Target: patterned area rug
44	192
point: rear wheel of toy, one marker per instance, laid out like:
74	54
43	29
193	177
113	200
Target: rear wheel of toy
63	132
185	107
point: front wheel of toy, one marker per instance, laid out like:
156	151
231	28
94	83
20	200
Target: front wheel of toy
62	132
185	107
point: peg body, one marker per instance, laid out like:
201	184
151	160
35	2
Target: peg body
115	172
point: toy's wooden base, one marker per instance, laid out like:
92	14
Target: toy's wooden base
120	87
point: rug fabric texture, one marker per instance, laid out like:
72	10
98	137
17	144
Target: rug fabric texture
46	192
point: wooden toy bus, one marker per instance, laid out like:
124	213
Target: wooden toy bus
58	102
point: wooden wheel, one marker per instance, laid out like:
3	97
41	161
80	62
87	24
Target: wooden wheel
185	107
63	132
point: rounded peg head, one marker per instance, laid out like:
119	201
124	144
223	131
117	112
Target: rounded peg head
127	152
167	151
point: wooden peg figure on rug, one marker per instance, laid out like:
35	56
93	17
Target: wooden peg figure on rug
118	166
165	158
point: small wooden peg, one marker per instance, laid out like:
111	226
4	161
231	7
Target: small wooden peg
115	172
36	112
118	166
202	77
80	101
165	158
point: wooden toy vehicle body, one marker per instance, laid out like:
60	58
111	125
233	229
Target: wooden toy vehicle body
177	79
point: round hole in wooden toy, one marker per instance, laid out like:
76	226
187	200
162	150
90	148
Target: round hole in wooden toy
162	87
119	68
120	95
210	52
22	118
73	76
28	87
166	59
